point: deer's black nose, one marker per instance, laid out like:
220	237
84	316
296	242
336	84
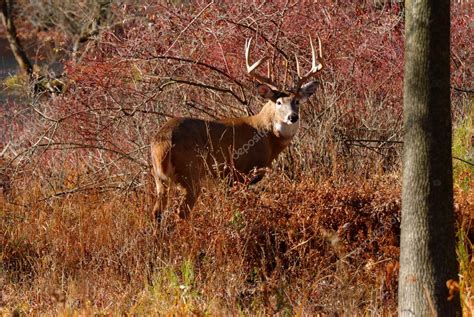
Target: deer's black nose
293	118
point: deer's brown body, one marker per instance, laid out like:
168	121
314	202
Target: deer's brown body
185	151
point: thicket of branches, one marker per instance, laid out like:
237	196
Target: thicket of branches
318	235
151	62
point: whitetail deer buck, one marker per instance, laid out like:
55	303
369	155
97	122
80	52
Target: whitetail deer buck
187	150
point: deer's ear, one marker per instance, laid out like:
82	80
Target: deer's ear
267	93
307	90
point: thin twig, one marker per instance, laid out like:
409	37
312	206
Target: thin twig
373	140
460	89
464	161
261	35
191	61
191	83
430	301
396	142
187	26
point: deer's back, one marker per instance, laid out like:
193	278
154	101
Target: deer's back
196	146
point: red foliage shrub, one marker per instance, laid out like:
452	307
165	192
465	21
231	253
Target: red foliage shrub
188	60
320	234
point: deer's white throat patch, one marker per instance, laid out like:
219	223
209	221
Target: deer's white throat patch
285	130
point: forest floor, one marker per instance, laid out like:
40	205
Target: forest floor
297	247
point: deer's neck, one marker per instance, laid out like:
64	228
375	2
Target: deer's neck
263	121
280	134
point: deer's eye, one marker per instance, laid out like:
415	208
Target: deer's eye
278	103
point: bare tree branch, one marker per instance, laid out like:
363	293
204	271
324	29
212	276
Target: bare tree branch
6	15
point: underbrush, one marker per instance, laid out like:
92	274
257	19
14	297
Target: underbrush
288	247
76	234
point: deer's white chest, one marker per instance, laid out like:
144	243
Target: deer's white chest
286	131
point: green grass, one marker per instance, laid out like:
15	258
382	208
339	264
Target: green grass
172	291
15	82
462	171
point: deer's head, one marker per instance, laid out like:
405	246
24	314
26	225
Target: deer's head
285	103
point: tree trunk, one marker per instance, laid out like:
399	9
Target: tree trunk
427	246
6	15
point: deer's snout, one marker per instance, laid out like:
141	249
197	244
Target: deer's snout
293	117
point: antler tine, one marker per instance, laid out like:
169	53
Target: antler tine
297	66
250	68
4	149
320	49
247	62
314	67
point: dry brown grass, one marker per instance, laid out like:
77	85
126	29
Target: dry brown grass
296	247
318	235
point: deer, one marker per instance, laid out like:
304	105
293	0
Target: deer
187	151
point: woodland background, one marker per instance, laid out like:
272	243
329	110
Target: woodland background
319	234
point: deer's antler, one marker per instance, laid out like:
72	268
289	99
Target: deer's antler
250	68
315	67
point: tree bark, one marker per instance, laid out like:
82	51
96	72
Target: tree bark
6	15
427	243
